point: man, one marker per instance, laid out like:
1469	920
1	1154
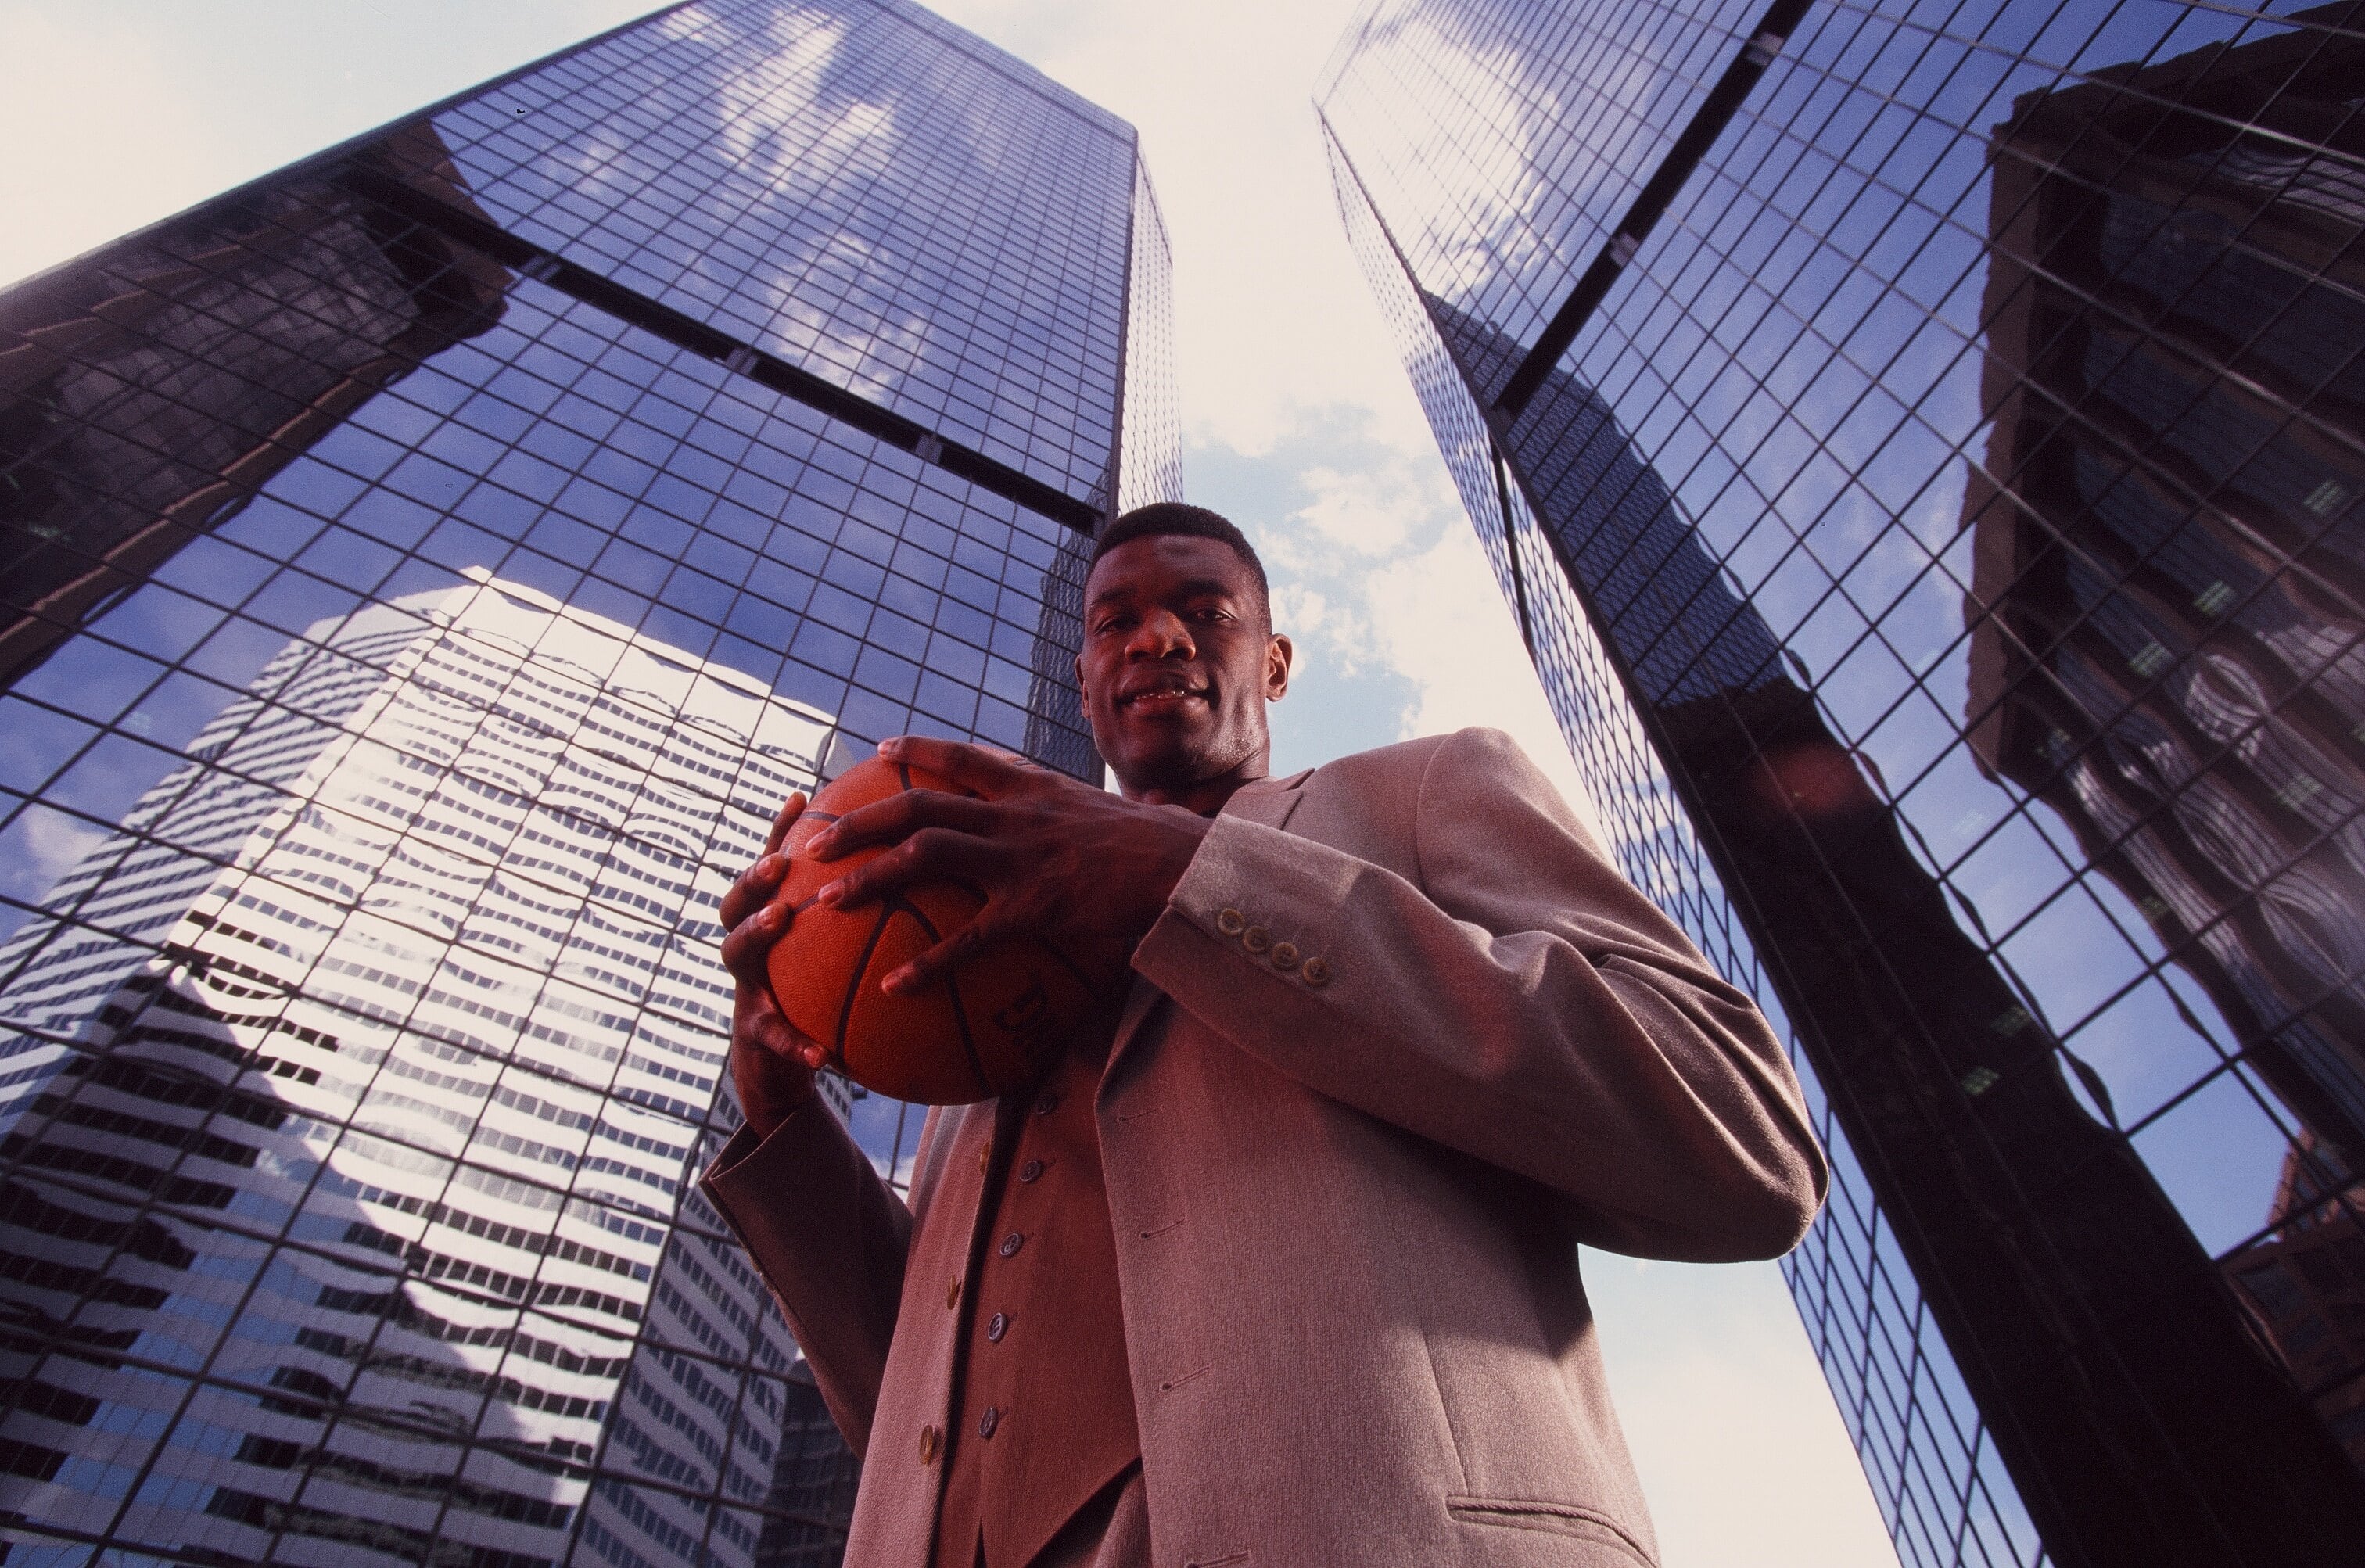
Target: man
1279	1264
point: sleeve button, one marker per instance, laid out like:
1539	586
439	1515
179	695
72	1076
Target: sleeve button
1285	954
1255	938
1230	921
1315	970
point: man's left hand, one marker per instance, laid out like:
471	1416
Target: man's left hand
1081	869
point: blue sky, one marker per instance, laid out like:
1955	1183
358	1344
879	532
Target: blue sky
1299	424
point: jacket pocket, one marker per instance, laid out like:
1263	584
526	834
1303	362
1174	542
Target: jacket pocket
1572	1519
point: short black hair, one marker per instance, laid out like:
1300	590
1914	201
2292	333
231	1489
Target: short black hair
1162	518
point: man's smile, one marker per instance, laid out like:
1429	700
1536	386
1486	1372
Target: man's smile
1161	694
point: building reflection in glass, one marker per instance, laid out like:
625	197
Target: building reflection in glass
2166	613
1918	448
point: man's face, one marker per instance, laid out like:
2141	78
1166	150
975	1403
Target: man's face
1178	662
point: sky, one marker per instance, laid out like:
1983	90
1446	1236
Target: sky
1299	424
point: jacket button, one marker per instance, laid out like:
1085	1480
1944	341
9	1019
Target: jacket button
1255	938
1031	1171
1048	1102
996	1326
984	1155
929	1442
1313	971
1285	954
952	1292
1229	922
1012	1243
987	1422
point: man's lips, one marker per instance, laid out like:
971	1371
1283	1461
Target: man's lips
1161	698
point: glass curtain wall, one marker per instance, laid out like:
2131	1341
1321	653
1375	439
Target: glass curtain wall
1919	445
427	569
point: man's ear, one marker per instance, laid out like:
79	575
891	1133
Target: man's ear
1277	656
1080	692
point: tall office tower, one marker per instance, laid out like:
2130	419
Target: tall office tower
1923	452
409	559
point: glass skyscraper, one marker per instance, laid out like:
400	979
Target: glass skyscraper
426	569
1923	447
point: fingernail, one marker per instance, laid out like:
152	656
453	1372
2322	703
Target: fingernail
830	894
771	865
892	747
897	983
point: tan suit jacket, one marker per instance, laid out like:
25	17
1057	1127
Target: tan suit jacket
1346	1212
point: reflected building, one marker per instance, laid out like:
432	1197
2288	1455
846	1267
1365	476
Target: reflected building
154	390
393	974
1927	532
430	566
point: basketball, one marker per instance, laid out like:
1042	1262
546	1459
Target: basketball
991	1026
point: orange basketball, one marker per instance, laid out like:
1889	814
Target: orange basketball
991	1026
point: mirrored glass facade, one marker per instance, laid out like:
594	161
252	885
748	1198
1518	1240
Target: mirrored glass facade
1922	448
427	569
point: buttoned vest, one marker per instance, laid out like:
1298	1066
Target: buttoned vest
1042	1413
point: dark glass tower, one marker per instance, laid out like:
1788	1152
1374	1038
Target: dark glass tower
1924	450
426	569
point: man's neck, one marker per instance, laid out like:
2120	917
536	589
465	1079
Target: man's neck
1204	796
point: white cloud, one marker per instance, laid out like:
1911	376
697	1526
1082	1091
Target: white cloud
1439	620
74	179
1740	1449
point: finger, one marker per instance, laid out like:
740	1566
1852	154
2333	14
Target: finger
753	890
988	771
898	817
931	855
768	1030
748	945
948	955
790	809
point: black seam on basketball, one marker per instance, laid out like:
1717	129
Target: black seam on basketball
961	1018
904	772
854	985
968	1045
1072	966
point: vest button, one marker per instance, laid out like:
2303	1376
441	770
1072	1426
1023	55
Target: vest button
987	1422
1047	1103
929	1443
1012	1243
952	1292
997	1327
1030	1170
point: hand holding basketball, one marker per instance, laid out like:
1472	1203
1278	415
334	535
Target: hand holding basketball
1057	861
771	1065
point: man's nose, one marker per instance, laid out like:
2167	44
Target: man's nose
1160	635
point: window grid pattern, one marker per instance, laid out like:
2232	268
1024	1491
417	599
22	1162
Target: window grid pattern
2001	360
832	183
356	941
1933	1470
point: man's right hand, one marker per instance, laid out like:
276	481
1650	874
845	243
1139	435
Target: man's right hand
771	1064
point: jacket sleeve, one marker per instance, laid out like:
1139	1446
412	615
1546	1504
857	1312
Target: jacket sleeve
830	1239
1524	1004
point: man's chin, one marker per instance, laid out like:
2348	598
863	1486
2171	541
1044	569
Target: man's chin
1172	760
